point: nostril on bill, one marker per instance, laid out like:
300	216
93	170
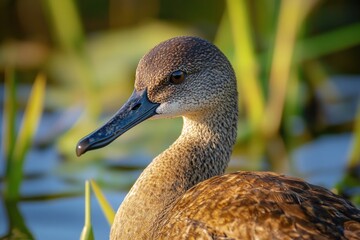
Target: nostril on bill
136	106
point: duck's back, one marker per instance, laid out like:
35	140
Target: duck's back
254	205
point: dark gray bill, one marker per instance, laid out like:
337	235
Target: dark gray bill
137	109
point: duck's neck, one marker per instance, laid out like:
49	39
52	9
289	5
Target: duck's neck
201	152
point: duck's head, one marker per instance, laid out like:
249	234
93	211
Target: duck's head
183	76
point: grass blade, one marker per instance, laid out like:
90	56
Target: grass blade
245	64
87	232
17	228
28	128
65	23
329	42
104	204
291	15
350	182
9	116
354	156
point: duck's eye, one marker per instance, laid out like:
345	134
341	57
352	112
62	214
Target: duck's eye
177	77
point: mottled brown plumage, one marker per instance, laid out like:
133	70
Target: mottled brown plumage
254	205
183	193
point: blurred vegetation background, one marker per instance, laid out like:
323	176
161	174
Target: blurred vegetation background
297	64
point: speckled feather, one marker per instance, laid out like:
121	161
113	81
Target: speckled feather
260	205
182	194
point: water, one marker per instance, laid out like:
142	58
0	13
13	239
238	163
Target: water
323	161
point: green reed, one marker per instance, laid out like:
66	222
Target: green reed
16	143
87	232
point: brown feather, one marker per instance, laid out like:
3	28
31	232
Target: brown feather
260	205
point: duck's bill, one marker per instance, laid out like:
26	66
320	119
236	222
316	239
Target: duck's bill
137	109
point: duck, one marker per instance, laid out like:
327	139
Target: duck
184	192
